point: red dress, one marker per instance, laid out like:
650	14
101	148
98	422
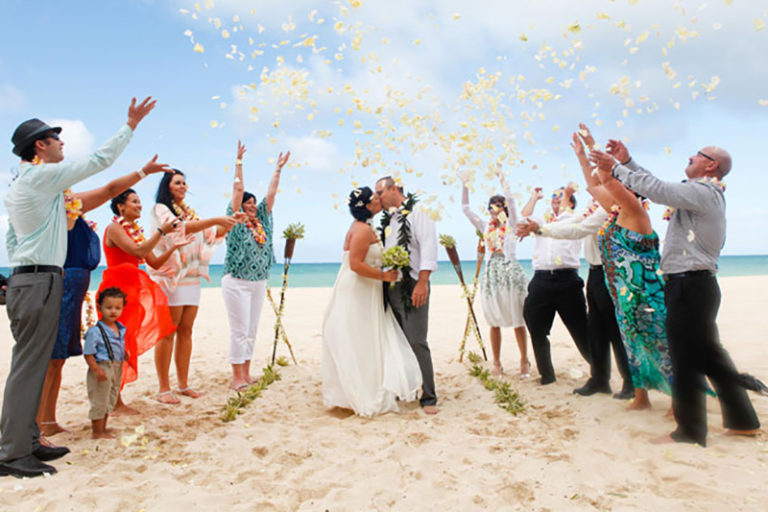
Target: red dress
146	315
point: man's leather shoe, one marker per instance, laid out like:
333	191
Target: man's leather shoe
625	394
28	466
50	452
589	389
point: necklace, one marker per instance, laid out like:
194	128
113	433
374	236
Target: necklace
404	241
134	230
184	212
256	229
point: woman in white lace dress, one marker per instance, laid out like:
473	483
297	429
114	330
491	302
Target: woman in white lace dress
503	284
367	361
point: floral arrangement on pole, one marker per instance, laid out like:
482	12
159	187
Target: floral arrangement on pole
449	243
395	258
292	233
469	323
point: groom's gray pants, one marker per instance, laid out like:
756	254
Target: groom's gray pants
34	302
415	326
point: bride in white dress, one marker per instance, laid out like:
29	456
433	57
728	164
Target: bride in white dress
367	361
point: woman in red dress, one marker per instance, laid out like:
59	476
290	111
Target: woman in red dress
146	315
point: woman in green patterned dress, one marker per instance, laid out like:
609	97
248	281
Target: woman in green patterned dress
246	268
630	252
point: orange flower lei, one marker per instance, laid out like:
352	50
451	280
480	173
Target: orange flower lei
495	237
133	229
256	229
709	180
184	212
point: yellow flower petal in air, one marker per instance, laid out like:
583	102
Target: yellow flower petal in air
214	124
456	16
762	103
574	27
198	48
759	24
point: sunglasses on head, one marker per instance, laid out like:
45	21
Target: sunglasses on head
706	156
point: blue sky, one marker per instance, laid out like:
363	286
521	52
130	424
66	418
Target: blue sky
394	74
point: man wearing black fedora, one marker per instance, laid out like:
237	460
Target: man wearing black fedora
37	245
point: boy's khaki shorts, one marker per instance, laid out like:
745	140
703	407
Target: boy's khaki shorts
103	395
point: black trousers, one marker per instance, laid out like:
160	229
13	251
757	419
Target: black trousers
560	292
694	345
603	332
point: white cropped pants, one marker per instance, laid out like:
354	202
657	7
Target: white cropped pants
243	300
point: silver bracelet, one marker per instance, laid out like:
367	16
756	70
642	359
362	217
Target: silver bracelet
142	174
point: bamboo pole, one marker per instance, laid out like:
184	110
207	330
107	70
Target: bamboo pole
279	322
453	255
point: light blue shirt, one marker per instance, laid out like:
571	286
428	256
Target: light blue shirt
37	228
94	342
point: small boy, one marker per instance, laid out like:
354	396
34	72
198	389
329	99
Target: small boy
104	351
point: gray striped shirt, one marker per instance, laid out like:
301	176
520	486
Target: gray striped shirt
696	231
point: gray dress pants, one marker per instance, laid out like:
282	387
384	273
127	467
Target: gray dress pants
33	305
415	325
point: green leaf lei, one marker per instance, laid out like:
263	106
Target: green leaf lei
403	240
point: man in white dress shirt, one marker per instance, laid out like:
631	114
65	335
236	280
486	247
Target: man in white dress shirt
407	225
556	286
603	330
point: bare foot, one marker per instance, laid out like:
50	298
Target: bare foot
746	433
103	435
249	379
638	405
665	439
167	397
124	410
191	393
497	370
431	409
50	428
109	431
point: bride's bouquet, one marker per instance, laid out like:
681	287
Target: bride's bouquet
397	258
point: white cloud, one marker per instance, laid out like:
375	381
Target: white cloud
314	154
11	98
78	141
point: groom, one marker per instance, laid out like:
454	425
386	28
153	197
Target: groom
412	229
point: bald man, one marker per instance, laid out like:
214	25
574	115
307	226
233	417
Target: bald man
695	235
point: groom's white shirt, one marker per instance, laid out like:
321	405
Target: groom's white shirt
423	246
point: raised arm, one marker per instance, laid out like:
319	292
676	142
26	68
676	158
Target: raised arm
594	187
238	187
61	176
688	196
536	195
275	181
96	197
511	205
624	197
476	221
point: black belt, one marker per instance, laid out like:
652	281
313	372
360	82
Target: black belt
555	271
690	273
35	269
595	267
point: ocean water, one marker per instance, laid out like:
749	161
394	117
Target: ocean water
324	274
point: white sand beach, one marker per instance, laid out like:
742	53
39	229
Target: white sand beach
286	452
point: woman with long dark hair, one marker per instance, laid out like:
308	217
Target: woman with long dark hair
180	275
83	255
146	315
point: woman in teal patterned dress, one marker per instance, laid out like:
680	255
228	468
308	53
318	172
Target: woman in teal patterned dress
246	267
630	252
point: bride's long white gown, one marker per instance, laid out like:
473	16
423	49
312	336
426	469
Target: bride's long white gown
367	361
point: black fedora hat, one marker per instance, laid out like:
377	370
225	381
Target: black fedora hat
28	132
